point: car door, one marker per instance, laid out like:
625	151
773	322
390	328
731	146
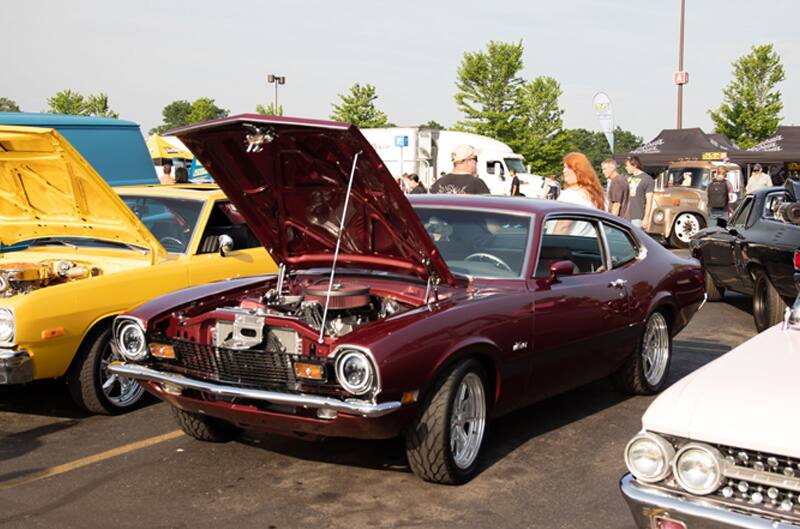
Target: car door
718	249
735	275
248	256
578	317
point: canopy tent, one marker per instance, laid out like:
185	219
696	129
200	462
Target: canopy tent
672	145
160	148
723	141
781	148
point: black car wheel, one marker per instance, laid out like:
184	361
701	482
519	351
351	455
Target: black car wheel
768	305
445	440
714	292
204	428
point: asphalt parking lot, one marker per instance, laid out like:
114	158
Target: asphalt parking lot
553	465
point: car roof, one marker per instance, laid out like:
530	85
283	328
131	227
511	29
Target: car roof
34	119
192	191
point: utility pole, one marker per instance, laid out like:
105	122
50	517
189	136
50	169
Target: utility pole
681	77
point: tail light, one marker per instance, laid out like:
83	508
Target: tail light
797	260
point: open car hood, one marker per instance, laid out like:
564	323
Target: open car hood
289	178
47	189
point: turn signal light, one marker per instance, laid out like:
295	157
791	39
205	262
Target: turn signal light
59	331
797	260
162	351
308	371
667	523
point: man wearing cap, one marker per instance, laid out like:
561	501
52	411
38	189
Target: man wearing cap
758	180
463	178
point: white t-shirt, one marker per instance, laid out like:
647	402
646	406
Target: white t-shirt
577	196
758	182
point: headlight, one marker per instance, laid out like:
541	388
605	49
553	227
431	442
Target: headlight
658	217
698	468
131	341
648	456
355	372
6	325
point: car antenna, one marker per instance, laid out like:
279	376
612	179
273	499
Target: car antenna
338	243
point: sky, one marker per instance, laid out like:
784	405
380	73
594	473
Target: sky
146	54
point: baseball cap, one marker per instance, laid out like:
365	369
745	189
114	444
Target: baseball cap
757	167
463	152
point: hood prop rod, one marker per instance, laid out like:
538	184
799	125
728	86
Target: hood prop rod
336	251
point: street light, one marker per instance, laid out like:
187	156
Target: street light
276	80
681	77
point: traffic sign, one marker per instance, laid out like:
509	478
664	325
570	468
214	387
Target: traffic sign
680	77
401	141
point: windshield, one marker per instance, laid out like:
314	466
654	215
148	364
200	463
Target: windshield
688	177
171	220
479	243
515	164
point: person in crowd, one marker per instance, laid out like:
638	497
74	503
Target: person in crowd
515	182
758	179
719	192
779	178
640	197
181	175
618	190
463	179
581	185
552	187
166	173
413	185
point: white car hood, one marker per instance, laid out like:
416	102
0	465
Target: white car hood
748	398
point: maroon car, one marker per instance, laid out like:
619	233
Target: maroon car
424	318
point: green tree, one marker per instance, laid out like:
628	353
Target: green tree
182	112
488	90
8	105
358	108
67	102
595	146
538	129
98	106
750	110
269	110
433	124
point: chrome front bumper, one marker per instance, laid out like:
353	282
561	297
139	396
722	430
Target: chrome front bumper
351	406
15	367
648	503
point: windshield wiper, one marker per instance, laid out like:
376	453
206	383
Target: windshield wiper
49	240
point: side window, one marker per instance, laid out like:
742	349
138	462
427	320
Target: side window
772	203
490	166
224	219
621	247
570	240
740	217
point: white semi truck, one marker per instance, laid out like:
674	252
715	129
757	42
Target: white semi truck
426	152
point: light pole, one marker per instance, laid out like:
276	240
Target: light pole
276	80
682	78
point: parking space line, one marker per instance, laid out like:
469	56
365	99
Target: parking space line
96	458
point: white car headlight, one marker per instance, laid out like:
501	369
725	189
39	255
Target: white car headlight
355	372
658	217
698	468
131	341
6	326
648	456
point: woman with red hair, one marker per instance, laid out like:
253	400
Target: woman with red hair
581	185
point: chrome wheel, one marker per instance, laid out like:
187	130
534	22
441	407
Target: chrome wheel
686	225
467	420
655	349
119	391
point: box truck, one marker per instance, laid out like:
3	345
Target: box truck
426	152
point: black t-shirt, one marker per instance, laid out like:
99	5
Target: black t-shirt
460	184
515	187
419	190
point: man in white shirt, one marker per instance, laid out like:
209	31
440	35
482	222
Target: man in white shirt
757	180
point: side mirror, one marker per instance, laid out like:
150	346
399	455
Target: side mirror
722	223
560	268
225	243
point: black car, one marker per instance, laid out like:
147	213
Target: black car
756	252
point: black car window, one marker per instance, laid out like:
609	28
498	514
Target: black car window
772	203
740	217
621	247
573	240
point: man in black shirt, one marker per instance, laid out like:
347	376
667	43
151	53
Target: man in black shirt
462	179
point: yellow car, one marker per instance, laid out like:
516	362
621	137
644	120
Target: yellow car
74	254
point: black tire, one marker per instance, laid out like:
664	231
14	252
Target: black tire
428	439
768	305
714	292
630	377
204	428
85	378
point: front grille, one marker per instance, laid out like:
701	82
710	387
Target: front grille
247	368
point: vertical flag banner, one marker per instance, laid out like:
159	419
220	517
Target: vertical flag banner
602	107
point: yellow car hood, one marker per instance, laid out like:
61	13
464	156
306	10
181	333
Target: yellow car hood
47	189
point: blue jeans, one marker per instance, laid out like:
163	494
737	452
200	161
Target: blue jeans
717	213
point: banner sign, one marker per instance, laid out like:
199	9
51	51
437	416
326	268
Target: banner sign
602	107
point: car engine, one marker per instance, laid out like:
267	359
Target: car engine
22	278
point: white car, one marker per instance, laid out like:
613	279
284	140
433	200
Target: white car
721	447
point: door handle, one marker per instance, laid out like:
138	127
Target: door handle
618	283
